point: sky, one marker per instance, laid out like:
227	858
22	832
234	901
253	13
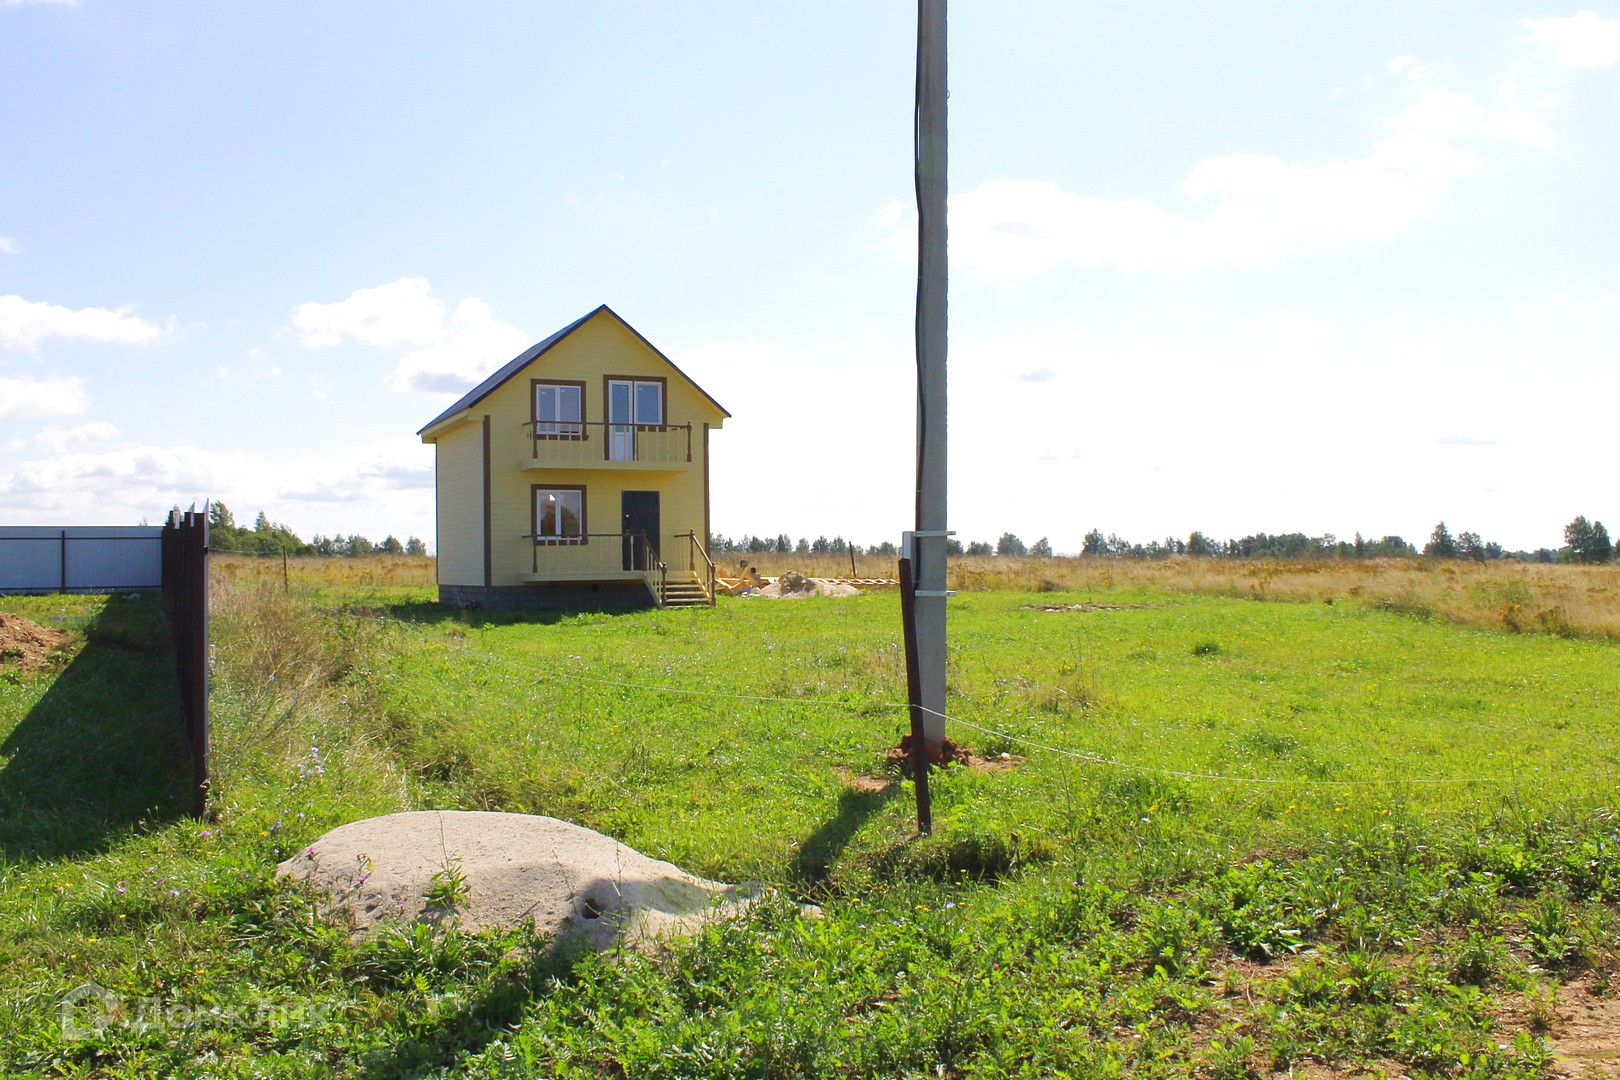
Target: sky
1238	267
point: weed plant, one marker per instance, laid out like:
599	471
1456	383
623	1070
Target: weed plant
1237	838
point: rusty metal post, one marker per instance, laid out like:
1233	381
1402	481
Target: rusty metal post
919	741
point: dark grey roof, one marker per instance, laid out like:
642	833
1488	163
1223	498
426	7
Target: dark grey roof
534	352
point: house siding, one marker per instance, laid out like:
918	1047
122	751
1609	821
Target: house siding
460	505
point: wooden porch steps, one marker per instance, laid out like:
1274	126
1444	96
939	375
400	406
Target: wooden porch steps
684	588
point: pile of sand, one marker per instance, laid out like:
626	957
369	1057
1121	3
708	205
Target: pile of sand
566	879
26	643
795	586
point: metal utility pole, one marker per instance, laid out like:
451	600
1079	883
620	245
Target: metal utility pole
928	541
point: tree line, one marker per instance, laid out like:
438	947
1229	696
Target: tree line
267	537
1584	542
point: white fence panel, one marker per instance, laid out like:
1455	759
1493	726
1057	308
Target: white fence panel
86	558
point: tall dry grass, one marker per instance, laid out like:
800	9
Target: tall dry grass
1519	597
321	572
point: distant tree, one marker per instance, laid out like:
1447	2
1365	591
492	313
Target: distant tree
758	545
1441	545
1389	547
358	545
1095	543
1041	549
1010	545
261	524
822	546
1470	546
839	545
953	546
783	544
1588	541
391	545
802	547
414	546
1201	546
888	548
980	547
219	517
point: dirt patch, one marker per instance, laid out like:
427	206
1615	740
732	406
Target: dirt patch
1090	607
25	643
481	869
877	785
949	753
795	586
1585	1038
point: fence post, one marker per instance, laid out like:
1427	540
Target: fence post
185	591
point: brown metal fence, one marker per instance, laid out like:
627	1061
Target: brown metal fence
107	559
185	594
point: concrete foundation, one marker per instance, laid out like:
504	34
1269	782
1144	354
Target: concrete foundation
549	596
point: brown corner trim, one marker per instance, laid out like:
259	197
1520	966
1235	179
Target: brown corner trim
488	538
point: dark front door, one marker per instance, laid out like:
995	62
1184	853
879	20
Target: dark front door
639	515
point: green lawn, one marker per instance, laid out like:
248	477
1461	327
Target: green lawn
1243	835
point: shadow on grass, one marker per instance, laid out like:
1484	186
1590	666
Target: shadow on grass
431	612
821	848
103	747
488	1014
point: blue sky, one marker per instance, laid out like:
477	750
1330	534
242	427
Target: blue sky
1224	267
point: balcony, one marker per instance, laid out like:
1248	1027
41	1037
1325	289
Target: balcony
593	557
628	556
592	444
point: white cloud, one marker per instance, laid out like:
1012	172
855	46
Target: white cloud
1256	208
473	344
1583	40
59	440
9	246
26	323
763	479
374	489
403	312
455	348
1415	71
1257	426
57	395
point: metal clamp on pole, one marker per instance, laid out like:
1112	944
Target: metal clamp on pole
908	552
907	547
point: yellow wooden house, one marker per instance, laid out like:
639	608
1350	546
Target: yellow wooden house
577	476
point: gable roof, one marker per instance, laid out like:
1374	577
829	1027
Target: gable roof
496	379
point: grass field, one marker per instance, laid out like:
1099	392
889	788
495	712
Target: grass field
1367	829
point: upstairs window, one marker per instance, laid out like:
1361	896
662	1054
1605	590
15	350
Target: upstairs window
559	410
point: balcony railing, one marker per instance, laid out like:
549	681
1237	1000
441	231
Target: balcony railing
593	443
699	563
625	556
